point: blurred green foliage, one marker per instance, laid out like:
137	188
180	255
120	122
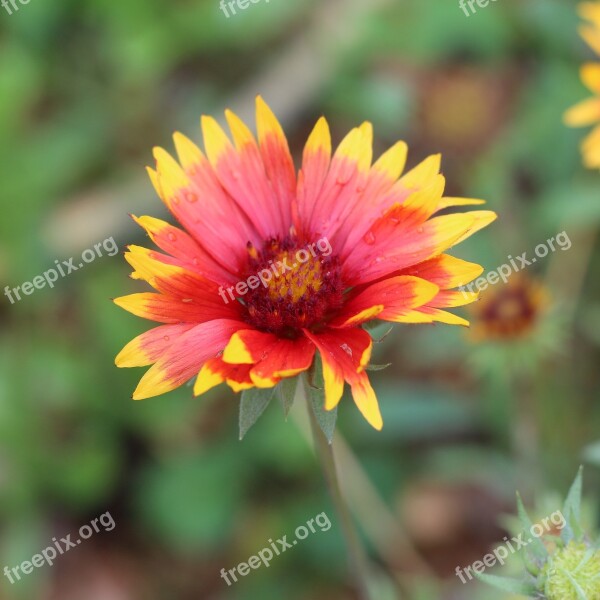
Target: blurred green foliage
87	88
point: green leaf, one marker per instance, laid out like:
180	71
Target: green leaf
572	510
372	324
378	330
536	546
573	501
316	395
252	405
506	584
286	391
167	496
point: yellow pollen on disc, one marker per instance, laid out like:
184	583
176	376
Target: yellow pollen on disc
297	281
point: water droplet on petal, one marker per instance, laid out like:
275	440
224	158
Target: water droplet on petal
420	229
191	197
196	261
166	338
369	238
172	237
346	349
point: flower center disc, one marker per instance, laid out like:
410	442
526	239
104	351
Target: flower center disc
295	285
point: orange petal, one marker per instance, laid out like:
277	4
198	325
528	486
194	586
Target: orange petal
347	174
366	400
215	371
166	309
315	166
197	200
396	296
189	154
445	271
450	299
420	205
345	354
285	358
148	347
184	357
449	202
421	175
391	246
277	159
182	246
246	347
442	316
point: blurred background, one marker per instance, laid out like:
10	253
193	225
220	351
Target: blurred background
87	88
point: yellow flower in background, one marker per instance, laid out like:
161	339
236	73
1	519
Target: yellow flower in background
587	112
590	32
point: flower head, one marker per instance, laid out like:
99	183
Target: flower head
572	573
560	562
587	112
271	267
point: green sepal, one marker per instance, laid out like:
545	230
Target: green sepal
572	511
316	395
377	367
252	405
286	392
536	546
507	584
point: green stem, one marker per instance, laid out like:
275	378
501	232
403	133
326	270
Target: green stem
526	437
358	565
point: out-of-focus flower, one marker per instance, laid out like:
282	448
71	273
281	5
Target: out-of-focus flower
509	312
271	267
590	32
462	108
587	112
515	327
